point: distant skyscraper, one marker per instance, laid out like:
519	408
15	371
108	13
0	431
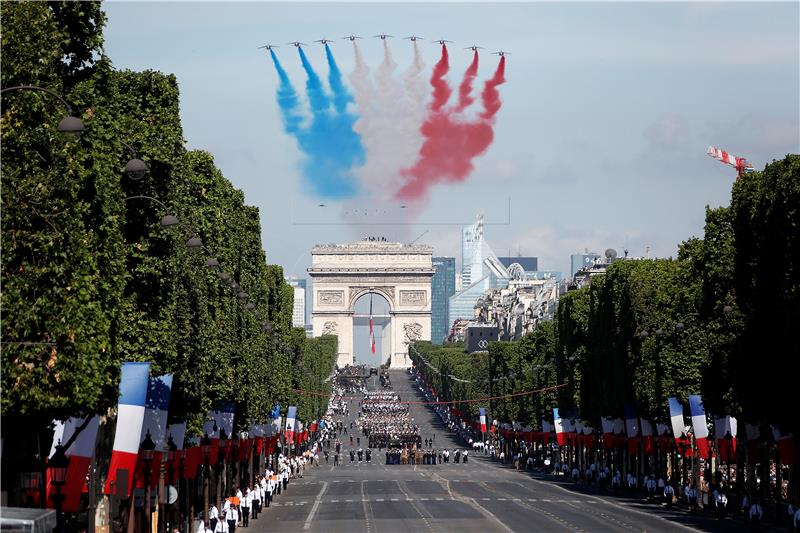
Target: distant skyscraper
299	309
528	264
443	286
481	270
579	261
472	253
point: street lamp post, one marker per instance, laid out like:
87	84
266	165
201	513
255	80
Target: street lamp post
30	480
234	462
172	453
147	447
205	446
69	125
57	465
222	472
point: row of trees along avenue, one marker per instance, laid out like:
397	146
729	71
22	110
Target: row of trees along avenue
91	277
720	320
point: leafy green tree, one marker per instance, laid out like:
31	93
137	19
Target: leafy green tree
765	210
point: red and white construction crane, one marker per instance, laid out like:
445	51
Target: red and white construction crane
739	163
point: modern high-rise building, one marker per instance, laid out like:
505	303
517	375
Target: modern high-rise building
481	270
528	264
472	253
443	286
579	261
299	309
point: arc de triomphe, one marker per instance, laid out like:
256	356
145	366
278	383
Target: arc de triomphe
401	273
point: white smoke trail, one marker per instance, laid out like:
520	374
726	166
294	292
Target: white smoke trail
416	90
391	112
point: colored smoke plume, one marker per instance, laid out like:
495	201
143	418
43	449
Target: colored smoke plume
450	144
327	139
287	100
391	112
441	89
465	98
341	96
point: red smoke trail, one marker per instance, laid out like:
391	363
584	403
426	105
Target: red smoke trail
465	89
490	95
441	89
450	145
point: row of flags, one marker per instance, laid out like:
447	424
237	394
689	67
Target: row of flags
634	430
141	413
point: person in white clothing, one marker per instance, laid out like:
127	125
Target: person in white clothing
669	493
232	518
221	527
213	517
246	504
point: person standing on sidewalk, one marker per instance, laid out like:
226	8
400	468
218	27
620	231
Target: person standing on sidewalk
247	504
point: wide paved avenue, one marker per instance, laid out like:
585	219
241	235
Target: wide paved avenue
479	496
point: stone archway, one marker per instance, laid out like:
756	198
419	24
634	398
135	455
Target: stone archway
401	273
382	328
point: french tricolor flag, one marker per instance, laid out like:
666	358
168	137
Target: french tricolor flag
725	431
483	419
130	417
219	426
699	424
80	455
647	437
558	422
371	333
155	421
631	428
608	431
288	430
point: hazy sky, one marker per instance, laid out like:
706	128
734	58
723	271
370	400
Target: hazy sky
607	112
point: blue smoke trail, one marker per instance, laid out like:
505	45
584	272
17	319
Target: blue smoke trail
341	96
332	147
287	100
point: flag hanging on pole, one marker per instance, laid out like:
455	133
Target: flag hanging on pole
483	420
290	422
371	333
699	424
130	417
80	455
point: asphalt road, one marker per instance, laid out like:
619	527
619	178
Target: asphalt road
480	496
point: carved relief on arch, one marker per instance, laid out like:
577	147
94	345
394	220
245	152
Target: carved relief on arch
412	331
330	297
330	328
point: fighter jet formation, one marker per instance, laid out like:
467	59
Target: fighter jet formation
383	37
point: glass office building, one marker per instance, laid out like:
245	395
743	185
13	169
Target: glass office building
299	309
443	286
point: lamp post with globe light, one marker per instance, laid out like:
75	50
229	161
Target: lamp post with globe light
57	466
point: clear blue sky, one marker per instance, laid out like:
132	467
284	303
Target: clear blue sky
601	140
